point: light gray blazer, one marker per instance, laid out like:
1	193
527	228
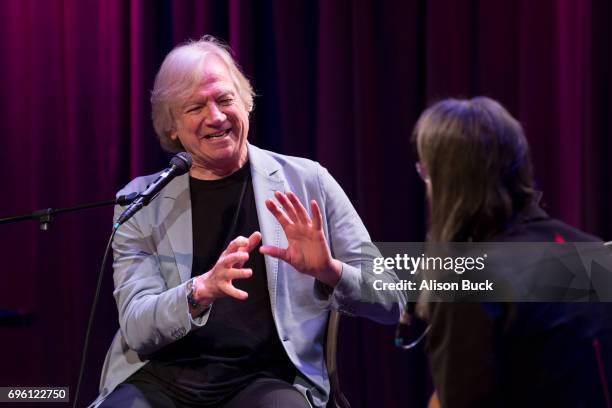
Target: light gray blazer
153	259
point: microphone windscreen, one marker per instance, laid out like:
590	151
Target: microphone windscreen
182	162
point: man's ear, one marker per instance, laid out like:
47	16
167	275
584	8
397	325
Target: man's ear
173	133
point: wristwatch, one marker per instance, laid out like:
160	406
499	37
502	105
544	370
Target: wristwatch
193	304
191	294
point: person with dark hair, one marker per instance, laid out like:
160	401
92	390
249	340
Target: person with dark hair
475	162
208	316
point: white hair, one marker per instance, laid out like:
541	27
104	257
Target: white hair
179	75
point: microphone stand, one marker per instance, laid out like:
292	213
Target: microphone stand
180	164
11	318
45	216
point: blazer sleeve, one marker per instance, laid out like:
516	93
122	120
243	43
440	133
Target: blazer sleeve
151	314
350	243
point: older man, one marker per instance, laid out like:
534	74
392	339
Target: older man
208	316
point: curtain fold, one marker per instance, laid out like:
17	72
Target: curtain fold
341	82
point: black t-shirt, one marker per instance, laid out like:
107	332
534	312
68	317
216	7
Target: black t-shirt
239	342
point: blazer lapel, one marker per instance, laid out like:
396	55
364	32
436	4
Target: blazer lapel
265	173
177	223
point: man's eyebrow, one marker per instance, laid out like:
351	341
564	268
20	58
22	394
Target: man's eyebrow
192	101
198	99
226	92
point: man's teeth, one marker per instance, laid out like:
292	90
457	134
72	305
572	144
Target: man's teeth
220	134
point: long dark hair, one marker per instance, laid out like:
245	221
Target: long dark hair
478	167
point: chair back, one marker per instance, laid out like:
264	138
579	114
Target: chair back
336	398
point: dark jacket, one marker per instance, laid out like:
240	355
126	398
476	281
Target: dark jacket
523	354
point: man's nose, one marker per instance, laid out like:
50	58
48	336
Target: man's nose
214	115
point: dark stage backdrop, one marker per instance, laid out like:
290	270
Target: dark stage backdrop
341	82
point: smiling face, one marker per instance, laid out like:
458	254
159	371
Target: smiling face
213	124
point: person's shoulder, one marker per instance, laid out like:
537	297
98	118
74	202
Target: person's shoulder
298	172
285	160
562	232
292	168
535	225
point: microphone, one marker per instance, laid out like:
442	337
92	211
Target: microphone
411	329
179	165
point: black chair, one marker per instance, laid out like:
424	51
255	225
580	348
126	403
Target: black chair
336	398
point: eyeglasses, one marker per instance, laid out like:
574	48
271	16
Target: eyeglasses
420	168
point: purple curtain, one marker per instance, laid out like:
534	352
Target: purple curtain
341	82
